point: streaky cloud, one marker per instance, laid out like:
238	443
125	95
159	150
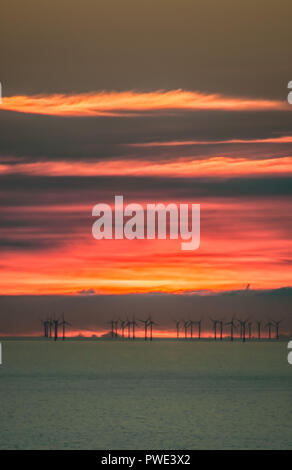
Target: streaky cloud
127	103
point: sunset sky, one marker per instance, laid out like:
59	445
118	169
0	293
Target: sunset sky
177	101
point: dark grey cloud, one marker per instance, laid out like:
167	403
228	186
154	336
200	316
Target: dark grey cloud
31	231
20	244
43	190
39	138
68	45
29	222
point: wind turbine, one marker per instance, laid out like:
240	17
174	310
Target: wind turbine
269	326
134	324
63	324
221	329
276	325
177	323
45	325
116	325
259	325
232	326
249	329
215	322
198	322
123	324
151	323
186	324
112	323
50	326
56	326
145	326
128	325
242	328
191	323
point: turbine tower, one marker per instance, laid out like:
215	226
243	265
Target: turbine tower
112	323
177	323
199	323
221	329
145	327
269	326
116	325
259	326
186	324
128	325
151	323
243	328
249	329
232	326
134	324
215	322
56	327
63	324
276	325
191	323
48	327
45	325
123	324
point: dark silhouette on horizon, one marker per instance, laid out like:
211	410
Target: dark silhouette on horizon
134	324
269	326
64	323
191	323
151	323
186	324
221	329
232	325
198	323
56	327
145	327
177	323
112	323
45	325
259	325
243	329
246	328
215	323
277	325
123	324
249	325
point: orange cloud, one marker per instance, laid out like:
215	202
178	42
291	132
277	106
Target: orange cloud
179	167
125	103
180	143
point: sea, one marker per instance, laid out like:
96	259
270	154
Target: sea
164	394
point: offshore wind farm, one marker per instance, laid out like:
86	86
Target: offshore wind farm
242	330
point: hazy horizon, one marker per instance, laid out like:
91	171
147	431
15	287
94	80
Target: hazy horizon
88	312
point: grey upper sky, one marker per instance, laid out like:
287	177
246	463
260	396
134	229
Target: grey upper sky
228	46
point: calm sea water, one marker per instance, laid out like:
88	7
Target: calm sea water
136	395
